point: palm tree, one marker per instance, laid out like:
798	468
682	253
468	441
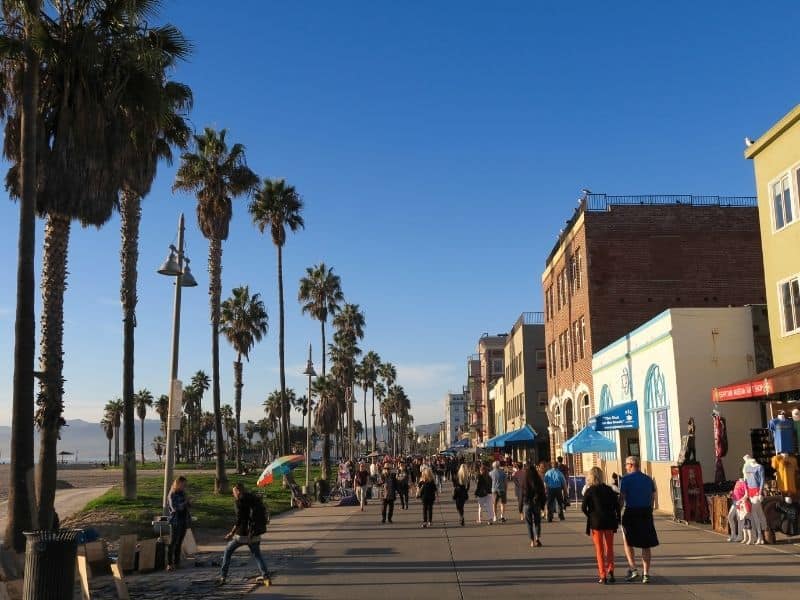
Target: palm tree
201	383
243	321
95	61
143	400
277	206
369	377
108	428
273	408
216	175
228	422
349	323
158	446
21	516
379	393
113	412
156	124
327	416
249	432
388	373
162	410
320	293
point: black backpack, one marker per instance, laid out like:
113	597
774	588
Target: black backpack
259	516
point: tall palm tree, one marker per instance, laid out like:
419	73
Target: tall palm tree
108	428
349	324
243	321
388	373
157	124
378	393
216	175
162	410
21	516
95	60
273	408
201	383
320	294
327	416
277	206
113	412
369	365
250	432
143	401
226	412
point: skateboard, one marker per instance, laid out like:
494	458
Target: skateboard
265	581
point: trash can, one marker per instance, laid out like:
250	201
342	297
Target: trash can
323	490
50	558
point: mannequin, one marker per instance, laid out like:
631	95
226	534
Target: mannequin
753	474
785	466
796	421
740	508
783	433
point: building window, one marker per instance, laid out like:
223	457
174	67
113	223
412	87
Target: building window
790	304
582	322
541	359
586	410
541	399
782	206
606	402
497	366
656	413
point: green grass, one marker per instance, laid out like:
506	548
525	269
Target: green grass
211	511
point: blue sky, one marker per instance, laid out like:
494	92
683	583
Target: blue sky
439	148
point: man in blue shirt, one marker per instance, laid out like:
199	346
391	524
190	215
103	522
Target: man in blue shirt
637	493
556	486
499	483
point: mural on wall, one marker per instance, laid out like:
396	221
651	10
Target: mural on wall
656	410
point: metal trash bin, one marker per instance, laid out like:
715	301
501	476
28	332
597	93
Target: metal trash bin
50	558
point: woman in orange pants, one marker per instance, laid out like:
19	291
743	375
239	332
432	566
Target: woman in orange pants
602	510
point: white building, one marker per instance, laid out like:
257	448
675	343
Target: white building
455	417
667	368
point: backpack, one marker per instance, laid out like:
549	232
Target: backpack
259	516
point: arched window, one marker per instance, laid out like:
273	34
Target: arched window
606	402
656	415
557	439
586	410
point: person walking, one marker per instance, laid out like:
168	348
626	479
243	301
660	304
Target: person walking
179	520
402	486
499	487
427	493
535	497
361	482
601	507
518	478
637	493
461	490
556	485
389	495
250	525
483	494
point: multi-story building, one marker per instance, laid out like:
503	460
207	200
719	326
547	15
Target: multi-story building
490	354
443	445
472	393
776	158
623	259
455	417
525	378
497	398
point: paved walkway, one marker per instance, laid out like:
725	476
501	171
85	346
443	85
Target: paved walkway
333	552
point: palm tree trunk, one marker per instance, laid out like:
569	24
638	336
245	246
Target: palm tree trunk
130	212
22	514
323	346
109	451
51	361
326	457
374	433
237	377
365	418
281	350
116	445
142	441
215	291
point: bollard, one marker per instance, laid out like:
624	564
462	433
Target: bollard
50	558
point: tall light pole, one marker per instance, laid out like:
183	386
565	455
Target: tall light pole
174	267
311	373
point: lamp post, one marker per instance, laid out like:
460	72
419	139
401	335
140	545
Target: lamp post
311	373
174	267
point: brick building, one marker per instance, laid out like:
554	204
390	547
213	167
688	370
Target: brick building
619	261
483	369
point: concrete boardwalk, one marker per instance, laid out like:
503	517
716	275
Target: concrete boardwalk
340	552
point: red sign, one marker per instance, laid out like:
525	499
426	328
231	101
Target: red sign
742	391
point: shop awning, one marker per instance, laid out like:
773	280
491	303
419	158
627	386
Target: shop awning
524	436
621	416
588	440
774	381
497	441
461	443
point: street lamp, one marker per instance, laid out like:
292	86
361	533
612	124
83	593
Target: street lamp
176	265
311	373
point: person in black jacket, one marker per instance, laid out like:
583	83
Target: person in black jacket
427	493
245	532
389	494
461	489
534	500
402	486
602	510
179	521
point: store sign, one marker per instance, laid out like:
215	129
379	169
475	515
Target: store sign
622	416
742	391
662	435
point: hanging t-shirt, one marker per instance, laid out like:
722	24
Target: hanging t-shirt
783	434
785	472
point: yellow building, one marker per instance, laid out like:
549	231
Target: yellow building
776	159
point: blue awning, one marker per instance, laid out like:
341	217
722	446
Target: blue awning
588	440
524	436
461	443
497	441
621	416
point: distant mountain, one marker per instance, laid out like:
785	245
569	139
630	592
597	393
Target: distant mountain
87	441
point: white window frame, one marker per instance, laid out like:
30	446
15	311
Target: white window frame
780	284
794	188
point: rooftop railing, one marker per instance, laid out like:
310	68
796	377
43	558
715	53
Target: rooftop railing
530	318
602	202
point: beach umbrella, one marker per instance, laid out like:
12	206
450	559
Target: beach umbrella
280	466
